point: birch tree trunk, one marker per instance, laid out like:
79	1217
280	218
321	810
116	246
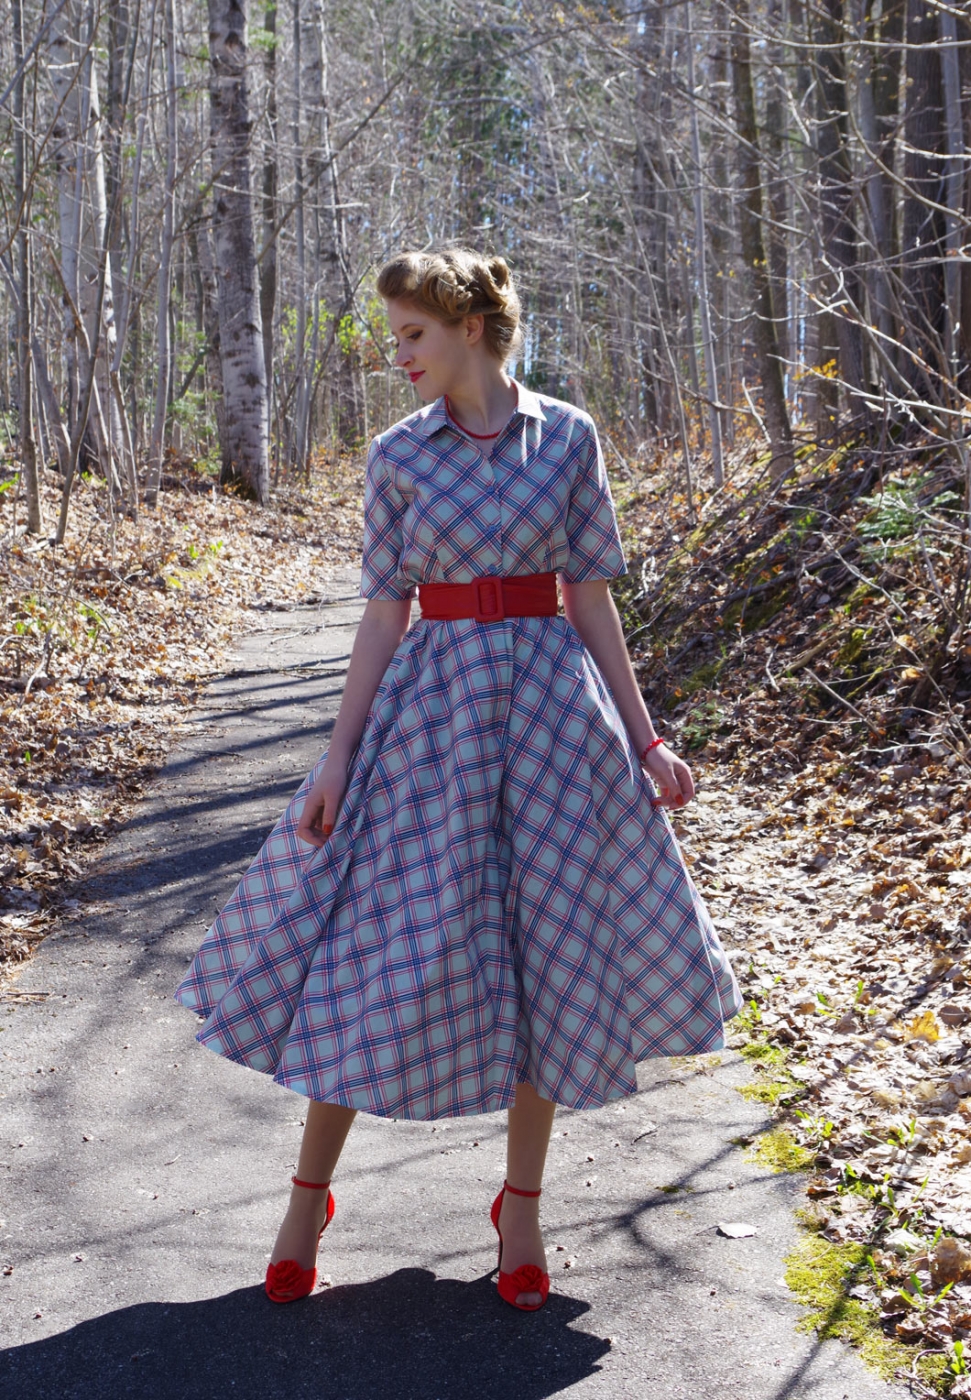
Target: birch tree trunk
165	265
753	248
83	210
116	102
843	287
268	263
25	392
719	235
302	378
701	261
245	416
777	184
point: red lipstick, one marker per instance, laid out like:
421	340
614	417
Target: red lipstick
415	375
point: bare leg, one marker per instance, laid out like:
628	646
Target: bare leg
326	1129
530	1124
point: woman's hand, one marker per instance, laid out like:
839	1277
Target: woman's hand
323	800
672	777
379	635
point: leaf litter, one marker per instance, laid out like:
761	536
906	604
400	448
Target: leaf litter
107	642
830	842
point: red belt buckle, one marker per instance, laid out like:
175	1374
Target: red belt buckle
489	600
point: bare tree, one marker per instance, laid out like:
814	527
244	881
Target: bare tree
25	394
245	411
753	246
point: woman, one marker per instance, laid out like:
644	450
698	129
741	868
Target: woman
496	914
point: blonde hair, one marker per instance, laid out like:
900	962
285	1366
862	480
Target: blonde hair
452	283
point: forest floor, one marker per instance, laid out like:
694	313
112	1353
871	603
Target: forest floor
107	643
801	643
809	644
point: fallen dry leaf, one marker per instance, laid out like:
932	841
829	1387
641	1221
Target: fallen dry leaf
926	1026
736	1230
950	1262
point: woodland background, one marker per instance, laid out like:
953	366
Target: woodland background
727	216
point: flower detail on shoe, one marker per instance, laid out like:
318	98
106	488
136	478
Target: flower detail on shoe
286	1281
529	1278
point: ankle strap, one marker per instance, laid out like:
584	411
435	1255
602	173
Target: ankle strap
515	1191
310	1185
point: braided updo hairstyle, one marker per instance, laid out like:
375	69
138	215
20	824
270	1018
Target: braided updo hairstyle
452	283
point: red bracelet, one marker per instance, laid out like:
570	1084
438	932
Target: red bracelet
644	752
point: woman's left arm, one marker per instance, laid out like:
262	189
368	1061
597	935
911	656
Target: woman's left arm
591	612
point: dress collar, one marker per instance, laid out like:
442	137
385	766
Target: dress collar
432	417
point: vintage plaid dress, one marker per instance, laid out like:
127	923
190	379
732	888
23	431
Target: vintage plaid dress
499	900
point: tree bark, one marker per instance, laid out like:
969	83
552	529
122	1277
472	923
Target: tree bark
877	101
268	262
25	392
954	191
303	376
753	247
842	287
162	383
924	227
720	236
83	222
116	104
200	246
333	255
964	32
777	186
245	417
701	244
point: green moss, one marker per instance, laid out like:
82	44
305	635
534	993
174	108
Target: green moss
747	1020
703	679
763	1053
768	1091
820	1274
853	646
774	1082
760	614
861	594
705	719
778	1150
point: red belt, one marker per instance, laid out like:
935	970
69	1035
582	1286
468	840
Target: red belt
489	599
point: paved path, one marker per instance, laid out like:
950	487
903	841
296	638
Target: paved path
143	1177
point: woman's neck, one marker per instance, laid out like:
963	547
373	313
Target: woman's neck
484	402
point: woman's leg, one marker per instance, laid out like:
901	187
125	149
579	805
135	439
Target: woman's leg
530	1124
326	1128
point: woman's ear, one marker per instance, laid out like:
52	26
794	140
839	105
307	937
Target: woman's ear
474	327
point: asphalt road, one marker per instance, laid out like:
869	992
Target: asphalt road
143	1177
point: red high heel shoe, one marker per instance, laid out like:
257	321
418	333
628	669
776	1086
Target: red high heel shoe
286	1281
528	1278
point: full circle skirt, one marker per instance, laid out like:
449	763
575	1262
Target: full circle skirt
499	902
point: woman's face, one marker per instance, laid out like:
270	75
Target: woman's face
434	356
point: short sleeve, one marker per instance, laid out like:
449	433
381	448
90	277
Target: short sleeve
591	525
384	511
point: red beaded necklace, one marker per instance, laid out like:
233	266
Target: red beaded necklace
480	437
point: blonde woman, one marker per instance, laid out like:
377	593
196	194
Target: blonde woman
475	901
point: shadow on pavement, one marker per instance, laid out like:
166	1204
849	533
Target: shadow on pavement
409	1336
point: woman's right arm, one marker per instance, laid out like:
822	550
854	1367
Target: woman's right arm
379	635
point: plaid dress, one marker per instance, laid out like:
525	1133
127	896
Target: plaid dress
499	901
